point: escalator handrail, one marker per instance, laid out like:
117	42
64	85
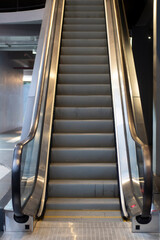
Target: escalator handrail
17	155
147	166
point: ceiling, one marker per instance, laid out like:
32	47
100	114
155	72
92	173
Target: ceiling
20	42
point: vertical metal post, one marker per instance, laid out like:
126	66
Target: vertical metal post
156	88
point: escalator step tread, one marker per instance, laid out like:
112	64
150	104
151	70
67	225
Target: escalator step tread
84	20
83	203
80	113
83	188
83	126
83	155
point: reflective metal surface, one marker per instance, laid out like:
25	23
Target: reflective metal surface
26	153
136	176
156	87
81	229
30	163
122	151
41	183
151	227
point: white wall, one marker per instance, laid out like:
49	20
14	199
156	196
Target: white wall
11	95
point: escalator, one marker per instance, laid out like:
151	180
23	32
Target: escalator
83	151
83	158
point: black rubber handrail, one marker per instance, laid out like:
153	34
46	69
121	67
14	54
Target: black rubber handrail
18	150
146	153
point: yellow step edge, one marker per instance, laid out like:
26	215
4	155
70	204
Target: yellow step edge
82	217
82	210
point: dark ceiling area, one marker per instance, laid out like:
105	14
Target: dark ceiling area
20	5
22	59
135	10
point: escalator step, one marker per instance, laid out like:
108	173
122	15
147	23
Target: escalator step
82	140
83	113
83	155
84	27
83	51
91	59
84	8
83	89
84	68
84	20
83	188
84	171
83	101
83	203
84	35
84	2
84	78
82	14
83	42
83	126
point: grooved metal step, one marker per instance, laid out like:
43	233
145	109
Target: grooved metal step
84	8
83	203
83	155
83	188
83	89
81	14
83	35
83	126
83	68
84	2
84	21
83	113
84	78
83	51
83	101
94	59
83	171
83	140
84	27
84	43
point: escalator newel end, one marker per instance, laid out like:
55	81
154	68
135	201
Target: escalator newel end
143	220
21	219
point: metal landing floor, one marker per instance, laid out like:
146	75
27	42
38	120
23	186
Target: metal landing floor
85	225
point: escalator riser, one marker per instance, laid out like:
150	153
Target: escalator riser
91	113
83	126
83	68
96	59
82	14
83	101
83	155
83	50
84	27
84	43
85	8
84	2
83	140
83	188
84	171
83	203
84	20
84	78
